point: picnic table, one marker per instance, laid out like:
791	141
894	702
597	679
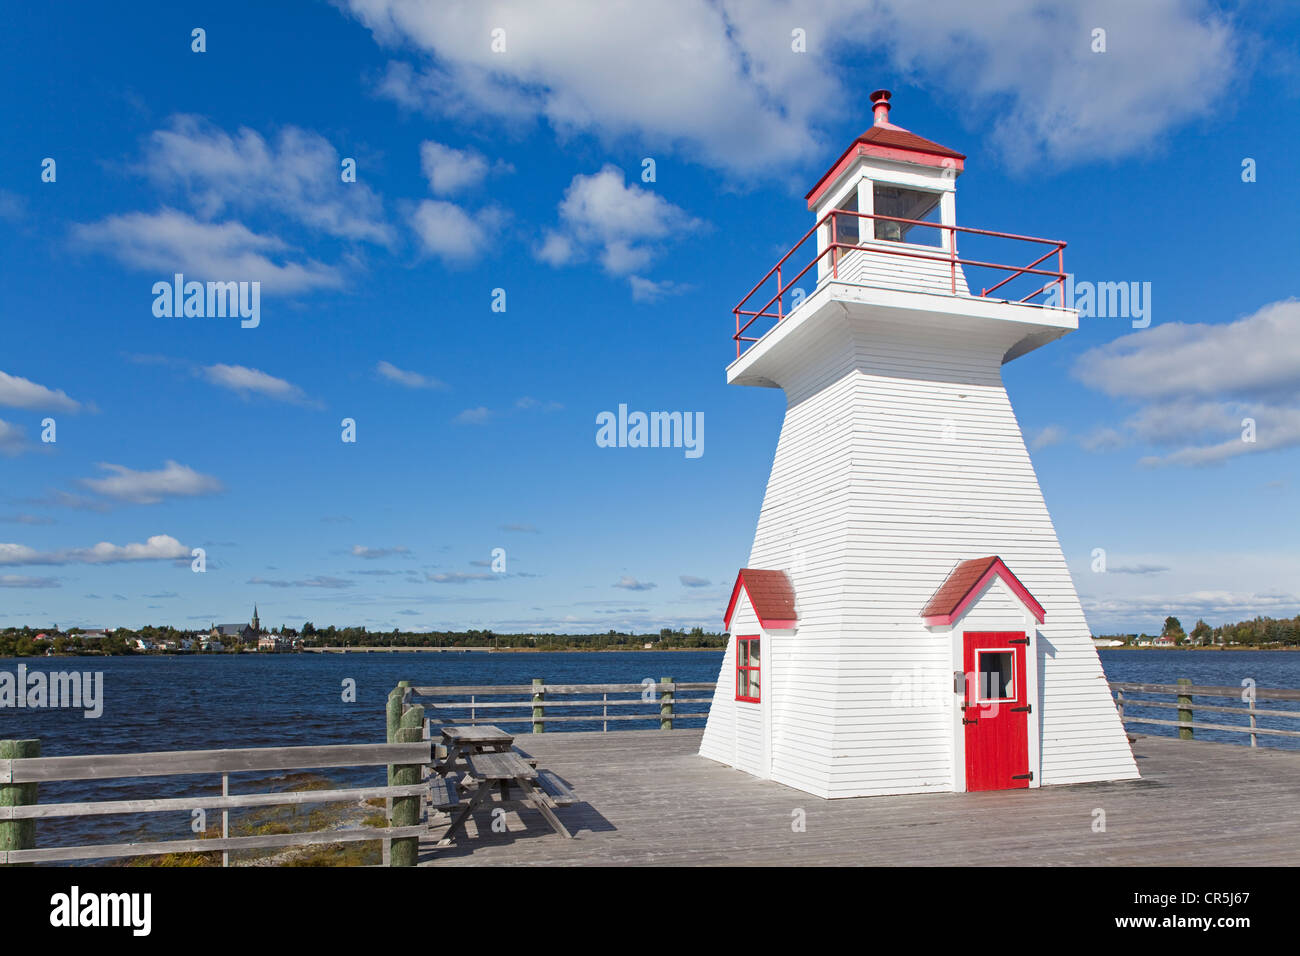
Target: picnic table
492	765
460	741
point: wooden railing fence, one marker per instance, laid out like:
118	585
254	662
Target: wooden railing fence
541	704
23	770
1184	693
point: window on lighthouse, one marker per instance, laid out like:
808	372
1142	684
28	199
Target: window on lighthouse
918	204
747	669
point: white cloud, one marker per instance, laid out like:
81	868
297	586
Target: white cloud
474	416
629	583
251	381
460	577
450	170
22	581
447	231
173	480
1196	384
361	551
298	175
319	581
170	241
720	83
690	581
1047	436
649	290
618	223
410	379
19	392
527	402
13	441
159	547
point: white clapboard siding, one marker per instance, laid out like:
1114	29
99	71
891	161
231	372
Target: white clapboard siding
900	456
738	736
884	266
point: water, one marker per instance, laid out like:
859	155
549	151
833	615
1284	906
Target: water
248	700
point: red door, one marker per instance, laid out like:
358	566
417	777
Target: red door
996	711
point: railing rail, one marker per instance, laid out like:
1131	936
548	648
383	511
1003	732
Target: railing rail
540	703
836	249
20	776
1184	691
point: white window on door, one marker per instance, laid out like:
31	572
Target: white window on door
996	675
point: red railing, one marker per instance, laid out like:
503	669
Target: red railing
835	249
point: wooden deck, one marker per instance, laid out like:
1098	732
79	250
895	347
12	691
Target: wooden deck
646	798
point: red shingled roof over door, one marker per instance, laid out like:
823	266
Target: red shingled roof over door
770	594
964	584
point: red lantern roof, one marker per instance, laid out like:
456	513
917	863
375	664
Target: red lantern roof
884	140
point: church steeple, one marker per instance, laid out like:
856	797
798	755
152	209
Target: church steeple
256	624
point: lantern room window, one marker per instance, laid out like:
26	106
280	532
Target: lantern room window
847	226
918	204
747	669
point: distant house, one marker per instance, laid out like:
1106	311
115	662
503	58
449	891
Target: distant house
210	644
144	644
42	637
94	633
1164	640
271	642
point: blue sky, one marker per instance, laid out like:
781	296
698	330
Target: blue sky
521	170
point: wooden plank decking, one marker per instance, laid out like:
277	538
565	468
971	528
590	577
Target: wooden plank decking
646	798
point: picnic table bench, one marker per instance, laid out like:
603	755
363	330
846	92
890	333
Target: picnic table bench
490	766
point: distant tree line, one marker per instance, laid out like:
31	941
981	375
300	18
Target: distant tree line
22	642
1258	632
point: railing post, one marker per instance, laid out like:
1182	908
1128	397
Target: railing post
406	810
665	705
539	712
18	834
1254	737
604	712
225	818
780	296
835	247
393	720
1184	708
1119	703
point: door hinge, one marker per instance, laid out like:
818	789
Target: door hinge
965	721
1028	708
1019	640
1023	776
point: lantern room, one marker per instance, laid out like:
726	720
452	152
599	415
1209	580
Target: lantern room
889	187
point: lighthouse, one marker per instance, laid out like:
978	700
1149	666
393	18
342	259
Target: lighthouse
906	621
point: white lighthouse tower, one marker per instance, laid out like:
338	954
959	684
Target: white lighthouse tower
906	622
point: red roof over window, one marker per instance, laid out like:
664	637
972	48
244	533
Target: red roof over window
964	584
770	594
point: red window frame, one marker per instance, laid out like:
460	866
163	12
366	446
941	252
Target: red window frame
743	653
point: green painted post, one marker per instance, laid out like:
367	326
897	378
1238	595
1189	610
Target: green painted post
18	834
1184	708
406	810
539	712
665	706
